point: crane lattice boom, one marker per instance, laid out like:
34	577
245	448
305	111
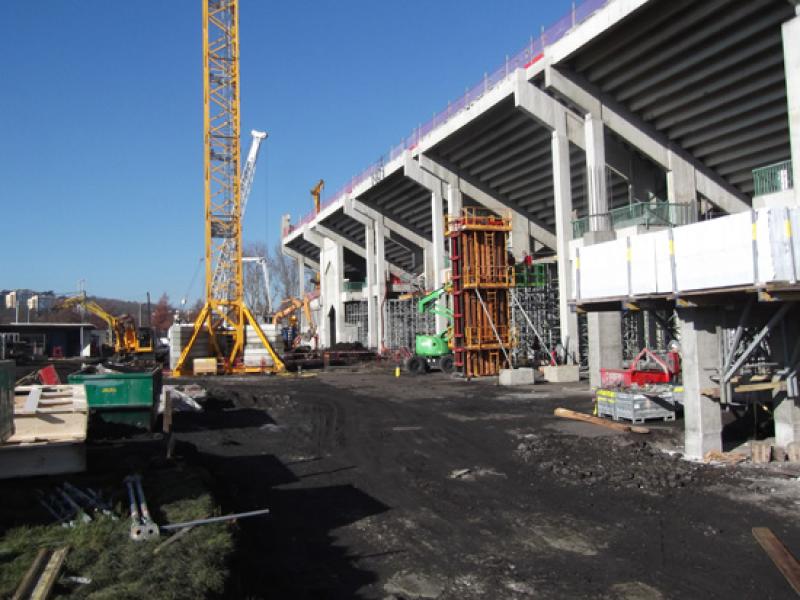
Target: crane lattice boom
224	314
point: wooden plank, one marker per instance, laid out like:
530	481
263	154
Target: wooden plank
32	401
577	416
784	560
31	575
761	387
28	460
50	574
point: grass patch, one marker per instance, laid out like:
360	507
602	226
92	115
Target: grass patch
192	567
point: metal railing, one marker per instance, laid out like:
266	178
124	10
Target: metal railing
655	214
527	56
773	178
353	286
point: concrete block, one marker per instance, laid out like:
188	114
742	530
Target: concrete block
793	452
523	376
761	452
204	366
561	373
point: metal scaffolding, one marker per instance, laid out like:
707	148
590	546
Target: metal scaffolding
402	323
535	307
355	313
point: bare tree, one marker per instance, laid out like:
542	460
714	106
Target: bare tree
162	314
283	273
255	289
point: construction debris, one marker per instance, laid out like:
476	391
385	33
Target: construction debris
730	458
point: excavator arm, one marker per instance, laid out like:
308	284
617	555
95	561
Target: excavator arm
123	328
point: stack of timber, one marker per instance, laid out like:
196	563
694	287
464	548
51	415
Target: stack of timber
50	424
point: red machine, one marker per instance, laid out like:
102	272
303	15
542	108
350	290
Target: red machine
668	371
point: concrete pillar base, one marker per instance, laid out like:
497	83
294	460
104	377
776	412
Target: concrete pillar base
787	421
700	359
605	344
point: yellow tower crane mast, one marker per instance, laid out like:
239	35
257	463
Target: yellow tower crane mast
224	314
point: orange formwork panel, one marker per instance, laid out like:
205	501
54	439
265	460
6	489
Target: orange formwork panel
481	276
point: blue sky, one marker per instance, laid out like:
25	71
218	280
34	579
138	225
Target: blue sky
101	119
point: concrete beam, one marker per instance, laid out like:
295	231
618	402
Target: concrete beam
355	248
291	253
684	172
353	206
479	193
546	110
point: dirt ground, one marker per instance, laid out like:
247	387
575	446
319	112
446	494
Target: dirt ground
438	488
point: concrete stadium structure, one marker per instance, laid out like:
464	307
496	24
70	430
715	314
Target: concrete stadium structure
664	103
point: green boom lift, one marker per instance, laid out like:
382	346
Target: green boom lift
432	351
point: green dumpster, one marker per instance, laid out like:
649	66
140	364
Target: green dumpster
125	398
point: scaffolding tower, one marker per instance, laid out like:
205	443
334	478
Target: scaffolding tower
403	321
535	311
355	313
481	279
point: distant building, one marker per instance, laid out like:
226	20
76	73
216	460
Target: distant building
15	297
41	302
54	339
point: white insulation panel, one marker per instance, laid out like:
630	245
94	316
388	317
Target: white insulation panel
750	248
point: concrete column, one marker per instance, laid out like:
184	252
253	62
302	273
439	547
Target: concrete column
437	226
562	192
454	200
332	276
380	281
605	329
595	169
700	358
301	276
369	290
605	343
787	420
791	62
520	236
681	184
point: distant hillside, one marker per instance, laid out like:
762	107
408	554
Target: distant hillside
114	306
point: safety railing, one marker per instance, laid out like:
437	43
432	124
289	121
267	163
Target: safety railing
526	276
649	214
773	178
484	276
478	219
353	286
527	56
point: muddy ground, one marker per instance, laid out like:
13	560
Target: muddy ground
438	488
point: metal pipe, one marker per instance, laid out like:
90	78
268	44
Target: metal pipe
756	341
85	517
242	515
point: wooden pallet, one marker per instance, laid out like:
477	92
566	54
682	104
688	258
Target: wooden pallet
50	426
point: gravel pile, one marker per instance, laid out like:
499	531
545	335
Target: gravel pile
616	462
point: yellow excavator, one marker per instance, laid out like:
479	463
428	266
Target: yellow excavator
128	340
316	192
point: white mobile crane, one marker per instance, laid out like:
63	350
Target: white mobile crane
248	174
